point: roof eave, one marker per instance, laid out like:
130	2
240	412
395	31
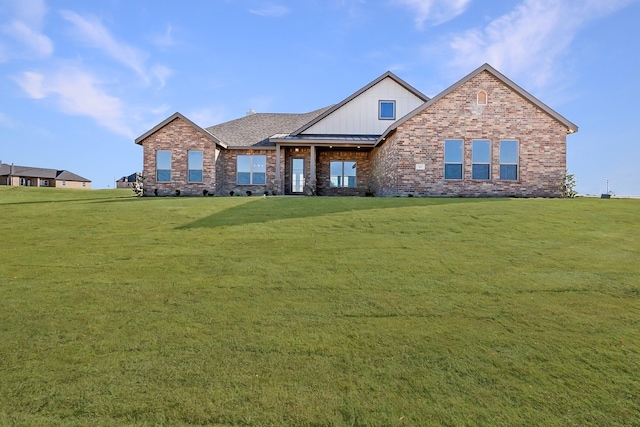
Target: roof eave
354	95
571	127
171	118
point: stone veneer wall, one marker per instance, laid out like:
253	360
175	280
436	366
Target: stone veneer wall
179	137
420	140
323	173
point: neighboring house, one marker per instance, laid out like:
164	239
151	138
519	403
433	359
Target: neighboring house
482	136
40	177
128	181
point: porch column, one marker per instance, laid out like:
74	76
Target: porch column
277	162
278	181
312	167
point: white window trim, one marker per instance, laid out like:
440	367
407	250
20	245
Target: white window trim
516	164
170	165
391	101
444	149
481	163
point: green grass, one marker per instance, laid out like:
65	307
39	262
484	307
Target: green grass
317	311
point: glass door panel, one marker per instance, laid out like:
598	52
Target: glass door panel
297	175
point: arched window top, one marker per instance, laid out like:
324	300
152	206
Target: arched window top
482	97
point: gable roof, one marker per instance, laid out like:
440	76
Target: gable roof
571	127
171	118
255	129
388	74
27	171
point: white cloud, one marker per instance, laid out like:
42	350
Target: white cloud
165	39
438	11
6	121
26	28
530	39
206	117
35	41
271	11
161	73
91	31
30	11
77	92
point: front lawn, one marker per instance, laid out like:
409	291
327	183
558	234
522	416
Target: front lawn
315	311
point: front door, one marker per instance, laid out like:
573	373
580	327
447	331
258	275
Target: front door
297	175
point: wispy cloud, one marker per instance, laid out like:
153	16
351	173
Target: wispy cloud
165	39
77	92
529	40
36	42
26	28
270	11
161	73
437	11
6	121
208	116
92	32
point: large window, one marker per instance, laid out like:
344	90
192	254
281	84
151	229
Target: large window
481	159
387	110
163	166
195	166
343	174
252	169
509	160
453	159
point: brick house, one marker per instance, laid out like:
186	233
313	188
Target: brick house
482	136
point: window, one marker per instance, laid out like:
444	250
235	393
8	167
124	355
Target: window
481	159
194	160
482	98
84	184
163	166
387	110
453	159
44	183
252	169
64	183
509	160
343	174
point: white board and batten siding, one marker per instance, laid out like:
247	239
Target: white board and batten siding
360	115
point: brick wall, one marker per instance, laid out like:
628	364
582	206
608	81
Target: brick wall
227	173
179	137
323	172
420	140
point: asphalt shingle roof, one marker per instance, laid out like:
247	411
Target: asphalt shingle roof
45	173
255	129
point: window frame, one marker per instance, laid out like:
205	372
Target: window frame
341	181
516	164
158	170
475	161
393	106
191	169
450	163
252	173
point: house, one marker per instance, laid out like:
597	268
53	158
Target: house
128	181
40	177
482	136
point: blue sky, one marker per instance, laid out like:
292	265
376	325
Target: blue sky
80	80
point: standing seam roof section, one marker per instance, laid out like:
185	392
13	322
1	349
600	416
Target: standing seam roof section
486	67
389	74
